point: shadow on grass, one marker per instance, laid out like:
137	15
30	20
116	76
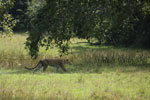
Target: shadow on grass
83	46
21	71
13	71
87	47
108	68
98	69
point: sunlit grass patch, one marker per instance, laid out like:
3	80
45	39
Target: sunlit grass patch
77	86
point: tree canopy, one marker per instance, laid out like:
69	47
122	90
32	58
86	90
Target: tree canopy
53	22
114	22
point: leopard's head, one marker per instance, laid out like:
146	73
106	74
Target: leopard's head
66	61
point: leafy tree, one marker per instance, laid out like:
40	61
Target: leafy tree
50	26
127	19
58	20
116	22
19	12
6	20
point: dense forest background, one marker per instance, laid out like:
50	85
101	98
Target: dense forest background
111	22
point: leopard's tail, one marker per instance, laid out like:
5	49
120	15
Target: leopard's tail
31	68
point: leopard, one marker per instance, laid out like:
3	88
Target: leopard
58	63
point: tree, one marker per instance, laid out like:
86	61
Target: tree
50	25
113	21
58	20
6	20
129	21
19	12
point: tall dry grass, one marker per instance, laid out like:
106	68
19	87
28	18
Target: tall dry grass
121	57
14	55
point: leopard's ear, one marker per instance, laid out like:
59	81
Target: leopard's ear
66	59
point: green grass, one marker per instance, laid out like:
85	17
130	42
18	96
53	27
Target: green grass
97	73
77	86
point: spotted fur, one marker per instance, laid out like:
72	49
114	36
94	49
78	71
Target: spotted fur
58	63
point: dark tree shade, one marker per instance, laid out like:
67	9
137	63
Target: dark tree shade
116	22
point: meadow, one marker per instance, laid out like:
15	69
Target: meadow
96	73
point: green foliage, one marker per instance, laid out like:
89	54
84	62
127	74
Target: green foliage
7	22
19	12
59	20
34	6
50	24
129	21
113	22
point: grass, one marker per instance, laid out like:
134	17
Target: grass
97	73
76	86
